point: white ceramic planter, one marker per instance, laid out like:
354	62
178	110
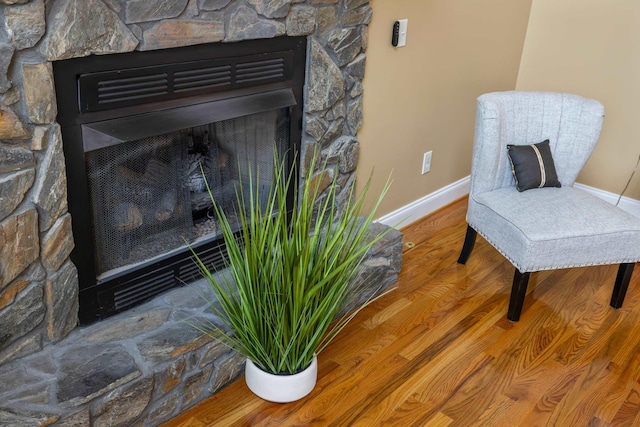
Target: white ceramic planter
281	388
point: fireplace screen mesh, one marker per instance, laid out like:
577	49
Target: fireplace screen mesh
148	197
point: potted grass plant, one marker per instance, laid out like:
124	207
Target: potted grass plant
291	269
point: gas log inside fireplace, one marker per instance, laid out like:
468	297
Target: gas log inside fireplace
144	133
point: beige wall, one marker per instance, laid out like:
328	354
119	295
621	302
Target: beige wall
592	48
422	97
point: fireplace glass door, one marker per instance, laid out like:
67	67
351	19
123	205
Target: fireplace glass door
149	197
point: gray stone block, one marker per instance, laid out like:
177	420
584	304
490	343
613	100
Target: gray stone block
356	67
40	138
271	8
336	129
21	348
13	187
50	190
79	419
25	418
346	151
354	4
360	16
120	408
89	372
23	316
11	127
84	27
326	83
12	95
338	111
346	44
212	4
39	93
226	371
171	342
6	55
354	115
128	325
62	302
152	10
328	19
15	158
194	386
316	126
25	24
168	377
301	20
162	410
20	245
167	34
57	243
245	24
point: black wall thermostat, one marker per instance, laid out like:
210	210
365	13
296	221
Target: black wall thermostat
395	34
399	34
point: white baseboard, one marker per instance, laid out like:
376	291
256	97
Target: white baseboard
626	203
427	204
432	202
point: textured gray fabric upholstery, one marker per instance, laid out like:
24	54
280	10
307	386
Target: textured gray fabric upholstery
544	228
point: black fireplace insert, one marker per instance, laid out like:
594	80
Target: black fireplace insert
144	133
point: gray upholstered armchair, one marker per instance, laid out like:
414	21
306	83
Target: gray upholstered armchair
544	228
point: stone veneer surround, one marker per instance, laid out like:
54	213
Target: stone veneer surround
38	282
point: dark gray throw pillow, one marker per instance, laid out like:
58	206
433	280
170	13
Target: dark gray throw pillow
532	166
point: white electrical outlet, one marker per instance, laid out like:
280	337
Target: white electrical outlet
426	162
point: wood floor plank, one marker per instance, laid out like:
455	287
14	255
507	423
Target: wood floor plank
608	408
439	420
629	413
495	412
439	351
599	381
583	377
406	403
387	313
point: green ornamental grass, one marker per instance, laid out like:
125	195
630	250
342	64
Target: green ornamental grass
290	271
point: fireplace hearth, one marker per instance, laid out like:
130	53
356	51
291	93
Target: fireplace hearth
141	133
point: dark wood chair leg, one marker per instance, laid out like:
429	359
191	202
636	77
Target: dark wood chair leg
467	247
518	292
622	283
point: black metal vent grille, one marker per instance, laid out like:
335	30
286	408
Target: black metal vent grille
258	71
143	289
204	78
213	258
124	89
107	90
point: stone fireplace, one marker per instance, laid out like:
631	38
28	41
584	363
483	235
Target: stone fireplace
144	366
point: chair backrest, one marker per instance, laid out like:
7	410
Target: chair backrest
571	123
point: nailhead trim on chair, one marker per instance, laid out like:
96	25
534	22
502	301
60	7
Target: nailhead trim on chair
558	267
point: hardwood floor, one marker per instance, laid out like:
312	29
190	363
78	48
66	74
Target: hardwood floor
439	351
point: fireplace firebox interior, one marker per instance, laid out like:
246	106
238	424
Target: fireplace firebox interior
143	134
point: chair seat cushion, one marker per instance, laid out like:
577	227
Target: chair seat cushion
550	228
